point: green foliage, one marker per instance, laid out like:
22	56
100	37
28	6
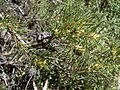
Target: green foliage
89	37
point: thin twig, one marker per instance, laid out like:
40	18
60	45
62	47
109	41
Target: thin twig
4	76
61	68
54	58
18	41
28	82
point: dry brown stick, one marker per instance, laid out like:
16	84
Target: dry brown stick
17	41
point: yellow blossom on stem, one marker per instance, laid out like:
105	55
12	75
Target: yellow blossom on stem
113	52
56	32
80	25
79	48
95	36
96	66
41	63
78	32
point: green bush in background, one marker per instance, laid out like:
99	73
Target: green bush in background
83	51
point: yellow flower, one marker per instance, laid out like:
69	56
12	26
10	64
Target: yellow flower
113	52
95	36
80	48
80	25
56	32
40	63
78	33
96	66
